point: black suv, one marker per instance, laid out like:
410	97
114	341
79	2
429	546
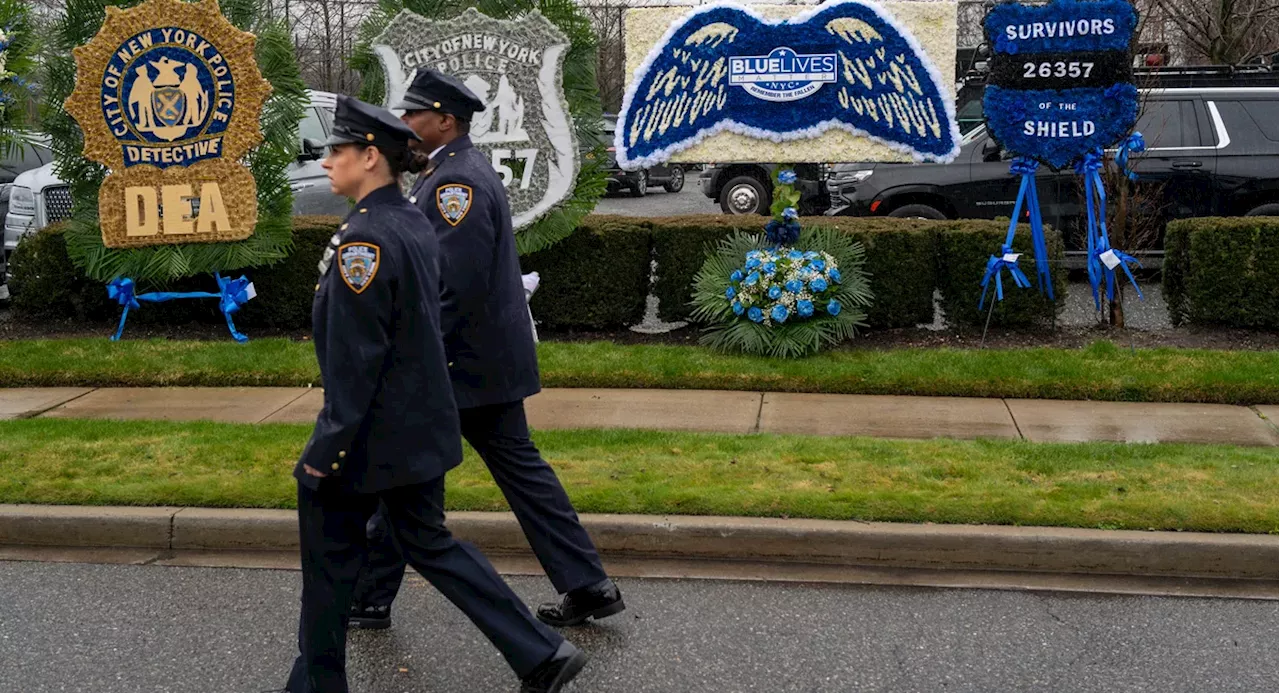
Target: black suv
1210	152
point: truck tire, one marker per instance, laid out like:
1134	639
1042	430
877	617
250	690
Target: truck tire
1268	210
744	195
917	212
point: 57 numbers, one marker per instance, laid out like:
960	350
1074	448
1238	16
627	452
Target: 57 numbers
1058	69
528	156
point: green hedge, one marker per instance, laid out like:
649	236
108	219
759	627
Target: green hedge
596	279
963	247
1222	271
46	286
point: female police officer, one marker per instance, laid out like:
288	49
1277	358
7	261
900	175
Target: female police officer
389	427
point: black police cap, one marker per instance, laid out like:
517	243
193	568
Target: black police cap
436	91
357	121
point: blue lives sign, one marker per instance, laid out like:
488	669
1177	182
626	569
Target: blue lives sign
847	65
1061	79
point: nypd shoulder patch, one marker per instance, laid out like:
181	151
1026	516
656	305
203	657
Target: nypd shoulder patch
358	263
454	201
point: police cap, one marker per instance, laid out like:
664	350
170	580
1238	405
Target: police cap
357	121
436	91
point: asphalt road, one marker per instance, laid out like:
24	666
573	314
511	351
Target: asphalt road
144	629
660	203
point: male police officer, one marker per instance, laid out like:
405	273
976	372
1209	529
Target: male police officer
389	428
492	361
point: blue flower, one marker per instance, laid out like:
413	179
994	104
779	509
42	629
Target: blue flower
818	265
795	256
790	213
794	286
812	254
737	308
755	314
833	307
730	293
770	268
753	253
736	276
753	263
804	308
779	313
775	292
834	274
753	279
818	285
786	176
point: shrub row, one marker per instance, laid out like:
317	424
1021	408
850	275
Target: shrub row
1222	271
599	277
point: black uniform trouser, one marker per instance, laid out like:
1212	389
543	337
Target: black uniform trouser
500	434
331	524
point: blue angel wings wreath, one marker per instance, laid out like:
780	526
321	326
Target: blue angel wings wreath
847	65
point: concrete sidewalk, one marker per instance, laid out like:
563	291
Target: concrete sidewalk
880	416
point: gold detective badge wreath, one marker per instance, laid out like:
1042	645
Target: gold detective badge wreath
168	95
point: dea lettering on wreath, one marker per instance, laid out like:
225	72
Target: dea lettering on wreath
515	67
724	67
168	95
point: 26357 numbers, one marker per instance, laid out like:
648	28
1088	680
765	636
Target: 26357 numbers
1057	69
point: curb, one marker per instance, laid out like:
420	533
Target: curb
825	542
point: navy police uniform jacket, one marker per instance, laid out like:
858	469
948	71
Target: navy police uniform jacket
484	315
389	417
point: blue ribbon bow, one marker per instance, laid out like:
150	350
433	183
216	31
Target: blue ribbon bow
1026	168
1132	143
995	265
231	295
1098	244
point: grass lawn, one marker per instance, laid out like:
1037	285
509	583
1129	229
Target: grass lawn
1102	371
1166	487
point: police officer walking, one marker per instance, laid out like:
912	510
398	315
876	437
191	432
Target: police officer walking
493	362
389	428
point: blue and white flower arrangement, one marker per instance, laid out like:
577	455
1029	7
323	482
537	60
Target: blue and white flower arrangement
763	298
784	228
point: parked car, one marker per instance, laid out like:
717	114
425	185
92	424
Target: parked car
28	153
1210	152
37	197
669	176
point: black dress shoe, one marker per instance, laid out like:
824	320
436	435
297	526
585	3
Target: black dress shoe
597	601
369	617
553	674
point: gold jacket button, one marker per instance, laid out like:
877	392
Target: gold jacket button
452	153
344	227
317	287
364	209
342	454
335	466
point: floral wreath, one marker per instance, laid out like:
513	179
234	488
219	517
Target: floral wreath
787	293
